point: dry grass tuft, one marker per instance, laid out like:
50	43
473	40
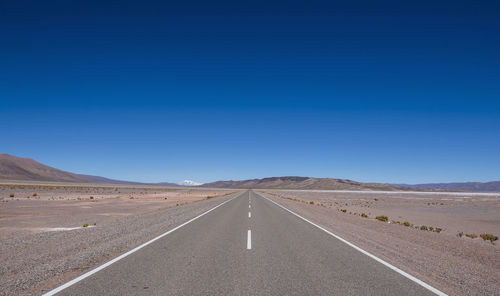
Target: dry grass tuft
382	218
489	236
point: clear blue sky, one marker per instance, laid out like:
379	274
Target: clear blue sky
385	91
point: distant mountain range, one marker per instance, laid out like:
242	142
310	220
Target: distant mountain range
25	169
293	182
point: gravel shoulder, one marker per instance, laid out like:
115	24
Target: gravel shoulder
35	262
455	265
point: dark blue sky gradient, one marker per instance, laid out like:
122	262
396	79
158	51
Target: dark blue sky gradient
389	92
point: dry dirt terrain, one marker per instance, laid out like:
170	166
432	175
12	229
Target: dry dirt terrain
43	239
433	236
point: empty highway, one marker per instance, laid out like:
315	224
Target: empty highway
246	246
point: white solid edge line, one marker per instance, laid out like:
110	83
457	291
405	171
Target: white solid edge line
249	215
101	267
249	240
409	276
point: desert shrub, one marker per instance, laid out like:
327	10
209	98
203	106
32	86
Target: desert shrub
423	227
91	197
437	229
460	234
489	236
471	235
375	199
11	195
95	223
343	210
35	194
407	224
364	215
382	218
311	202
210	196
431	228
85	225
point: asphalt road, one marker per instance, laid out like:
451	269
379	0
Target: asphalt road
216	255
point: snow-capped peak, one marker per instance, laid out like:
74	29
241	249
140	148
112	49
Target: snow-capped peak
189	183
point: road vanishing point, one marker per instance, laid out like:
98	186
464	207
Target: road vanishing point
248	245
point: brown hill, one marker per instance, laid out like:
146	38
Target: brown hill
25	169
292	182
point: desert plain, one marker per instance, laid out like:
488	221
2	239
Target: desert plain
441	238
52	232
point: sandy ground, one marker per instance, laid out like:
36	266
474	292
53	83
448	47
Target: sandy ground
37	208
454	263
43	241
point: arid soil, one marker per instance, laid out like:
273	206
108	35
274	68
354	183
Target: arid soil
440	243
43	239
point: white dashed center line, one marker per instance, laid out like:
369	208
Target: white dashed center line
249	235
249	240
